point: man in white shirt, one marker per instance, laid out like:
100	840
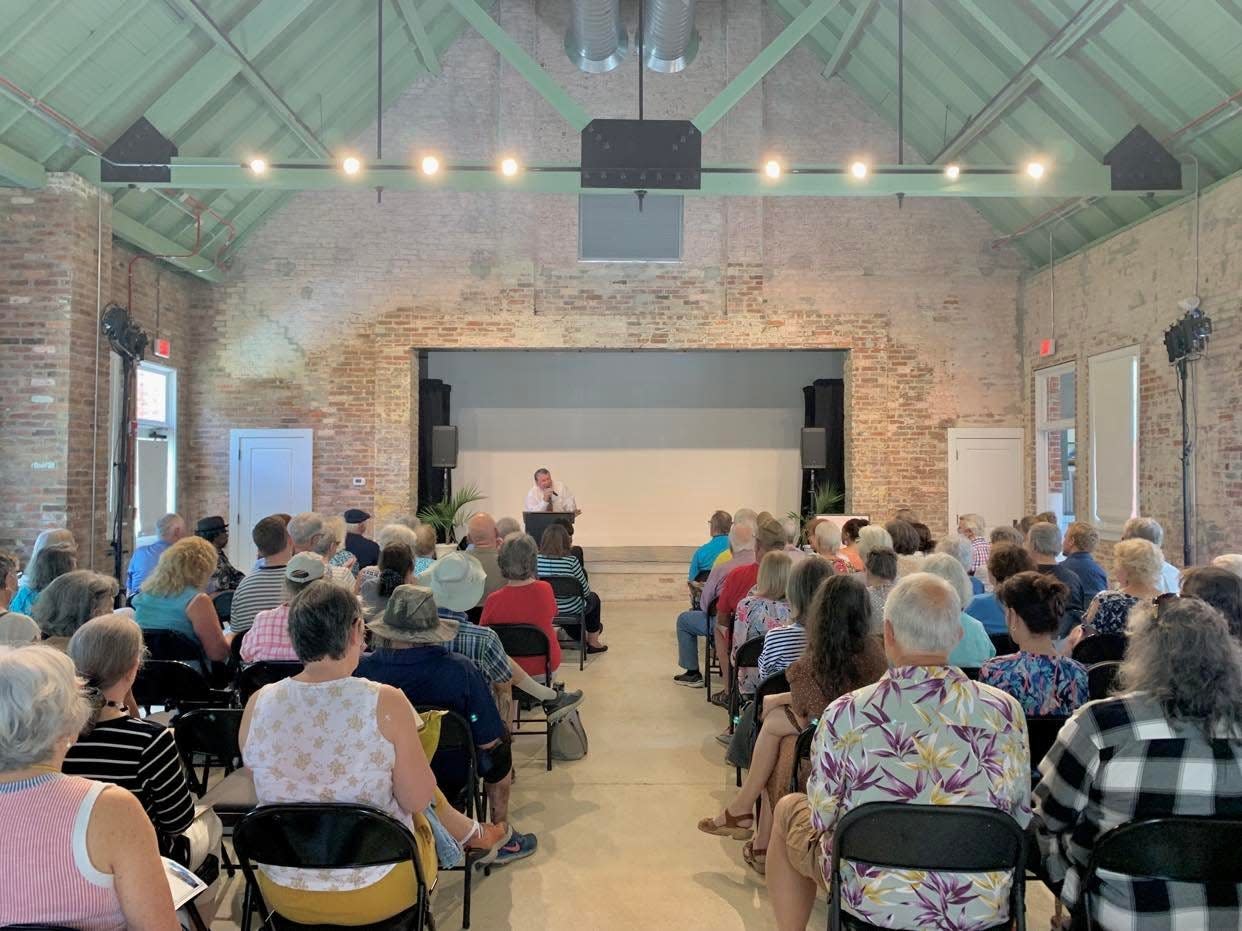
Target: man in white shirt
547	495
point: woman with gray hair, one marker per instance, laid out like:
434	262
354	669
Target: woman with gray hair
1128	757
872	537
72	600
28	591
523	600
328	548
73	852
976	647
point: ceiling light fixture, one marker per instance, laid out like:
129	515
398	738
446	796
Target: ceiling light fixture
351	165
859	170
952	172
258	166
431	164
772	168
509	167
1035	169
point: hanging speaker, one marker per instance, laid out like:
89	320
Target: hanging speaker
814	448
444	447
140	154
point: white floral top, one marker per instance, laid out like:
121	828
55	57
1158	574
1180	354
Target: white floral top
321	742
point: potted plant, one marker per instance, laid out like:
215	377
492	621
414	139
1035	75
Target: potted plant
447	515
827	500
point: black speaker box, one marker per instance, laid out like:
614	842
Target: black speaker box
1140	163
444	447
814	448
143	143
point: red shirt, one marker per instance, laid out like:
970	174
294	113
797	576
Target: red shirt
736	584
525	604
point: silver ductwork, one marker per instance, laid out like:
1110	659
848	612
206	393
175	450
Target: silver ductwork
670	41
596	41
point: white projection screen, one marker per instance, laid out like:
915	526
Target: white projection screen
649	442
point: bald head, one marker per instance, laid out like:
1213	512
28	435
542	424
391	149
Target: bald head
481	531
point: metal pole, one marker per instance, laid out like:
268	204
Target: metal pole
1183	371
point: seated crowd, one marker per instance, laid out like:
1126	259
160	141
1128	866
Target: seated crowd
879	657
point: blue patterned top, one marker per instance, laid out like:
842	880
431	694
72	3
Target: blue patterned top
1043	685
1111	610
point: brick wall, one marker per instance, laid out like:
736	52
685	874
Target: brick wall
1125	291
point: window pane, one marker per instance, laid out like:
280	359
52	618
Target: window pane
152	395
1059	394
1057	495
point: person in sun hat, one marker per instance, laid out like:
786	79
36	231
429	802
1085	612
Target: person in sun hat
456	581
365	550
413	654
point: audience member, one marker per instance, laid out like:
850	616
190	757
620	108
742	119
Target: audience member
793	533
927	543
872	537
15	628
268	640
1007	534
971	526
744	517
696	623
340	563
960	549
364	550
24	598
978	757
976	647
1081	539
53	561
388	535
1043	541
259	560
765	608
881	574
74	852
826	541
1146	528
849	542
1169	744
506	526
425	548
783	645
1043	682
306	532
1136	567
168	530
224	578
485	547
1006	559
326	735
843	655
523	600
72	600
117	746
906	514
769	537
173	597
1046	517
1025	524
1221	589
263	589
556	561
1231	562
906	544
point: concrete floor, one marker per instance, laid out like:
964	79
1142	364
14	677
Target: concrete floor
618	846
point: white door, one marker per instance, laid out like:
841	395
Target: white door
271	474
986	474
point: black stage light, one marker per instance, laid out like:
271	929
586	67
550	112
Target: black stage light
125	337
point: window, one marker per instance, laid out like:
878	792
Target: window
1113	412
155	449
1056	449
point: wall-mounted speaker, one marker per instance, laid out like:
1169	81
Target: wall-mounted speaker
142	144
444	447
814	448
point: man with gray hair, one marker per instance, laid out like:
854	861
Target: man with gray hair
506	526
962	549
978	757
971	526
1043	542
168	529
305	529
694	624
1147	528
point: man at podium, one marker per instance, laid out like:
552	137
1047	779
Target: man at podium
547	495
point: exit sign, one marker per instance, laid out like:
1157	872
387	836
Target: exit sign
163	348
1047	347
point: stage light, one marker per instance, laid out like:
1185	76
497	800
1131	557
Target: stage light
772	168
509	167
258	166
351	165
859	170
1035	169
430	165
952	172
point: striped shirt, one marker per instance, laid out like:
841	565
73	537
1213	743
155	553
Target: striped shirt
567	566
142	757
262	590
781	647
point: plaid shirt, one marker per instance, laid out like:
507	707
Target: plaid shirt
267	639
480	645
1122	760
980	550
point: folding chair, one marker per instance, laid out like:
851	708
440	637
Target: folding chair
1004	644
1100	648
178	686
772	685
702	577
709	652
210	734
949	838
1041	731
802	751
256	675
173	645
1102	678
747	657
565	587
1179	848
972	672
327	836
223	602
527	640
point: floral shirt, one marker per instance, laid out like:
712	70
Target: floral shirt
754	617
1111	610
924	735
1043	685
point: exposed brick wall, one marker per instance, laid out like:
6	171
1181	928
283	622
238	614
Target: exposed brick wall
1124	291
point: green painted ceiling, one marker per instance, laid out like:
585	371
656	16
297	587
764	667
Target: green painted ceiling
996	80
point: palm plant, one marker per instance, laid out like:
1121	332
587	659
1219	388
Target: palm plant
447	515
828	497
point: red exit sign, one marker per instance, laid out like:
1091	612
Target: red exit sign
1047	347
163	348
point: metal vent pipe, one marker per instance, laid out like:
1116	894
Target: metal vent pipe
596	41
670	39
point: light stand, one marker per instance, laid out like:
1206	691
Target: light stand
1186	342
130	343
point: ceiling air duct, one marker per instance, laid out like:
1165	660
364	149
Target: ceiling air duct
596	41
670	39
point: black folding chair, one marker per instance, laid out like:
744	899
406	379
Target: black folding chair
207	737
1102	678
1100	648
802	751
1199	850
1041	731
527	640
702	577
256	675
223	602
774	684
1004	644
747	657
177	686
709	652
949	838
565	587
327	836
172	645
972	672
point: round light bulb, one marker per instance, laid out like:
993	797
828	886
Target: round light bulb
431	164
509	167
859	170
772	168
952	172
351	165
258	166
1035	170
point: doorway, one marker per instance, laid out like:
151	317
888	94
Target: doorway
986	473
271	474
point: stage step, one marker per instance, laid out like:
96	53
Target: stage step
638	573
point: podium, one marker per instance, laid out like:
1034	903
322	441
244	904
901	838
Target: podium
537	522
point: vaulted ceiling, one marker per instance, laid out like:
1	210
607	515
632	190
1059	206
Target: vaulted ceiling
985	82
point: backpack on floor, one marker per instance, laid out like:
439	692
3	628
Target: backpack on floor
569	738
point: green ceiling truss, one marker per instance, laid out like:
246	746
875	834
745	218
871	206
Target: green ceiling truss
988	82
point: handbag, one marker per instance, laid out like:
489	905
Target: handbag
569	738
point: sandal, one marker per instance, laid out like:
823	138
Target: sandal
757	860
738	827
